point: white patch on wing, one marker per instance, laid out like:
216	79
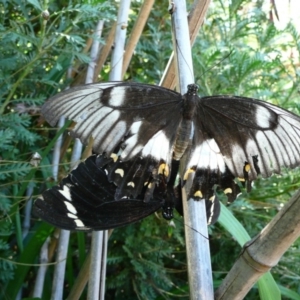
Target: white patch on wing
131	146
278	146
79	223
73	102
114	136
158	147
251	149
135	127
72	216
292	140
104	126
269	152
117	96
292	121
70	207
76	104
66	193
207	155
236	161
262	117
90	106
94	124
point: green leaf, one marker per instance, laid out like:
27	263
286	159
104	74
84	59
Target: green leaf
268	289
233	226
289	293
27	258
36	4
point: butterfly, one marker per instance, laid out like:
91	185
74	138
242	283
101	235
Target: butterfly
143	135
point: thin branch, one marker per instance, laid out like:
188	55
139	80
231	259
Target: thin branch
195	19
105	50
81	280
118	53
136	33
198	253
60	267
41	274
96	266
97	237
57	289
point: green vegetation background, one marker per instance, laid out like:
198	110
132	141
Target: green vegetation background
238	51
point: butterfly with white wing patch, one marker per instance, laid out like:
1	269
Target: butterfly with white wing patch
144	134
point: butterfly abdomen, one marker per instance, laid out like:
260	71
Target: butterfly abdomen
183	138
185	131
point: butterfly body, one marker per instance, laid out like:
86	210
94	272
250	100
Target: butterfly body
144	129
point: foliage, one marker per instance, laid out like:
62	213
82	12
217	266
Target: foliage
238	51
36	49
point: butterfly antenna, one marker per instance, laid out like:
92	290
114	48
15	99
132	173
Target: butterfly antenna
179	51
191	228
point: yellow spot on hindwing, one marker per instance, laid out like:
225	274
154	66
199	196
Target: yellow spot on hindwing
247	167
241	179
198	194
114	156
163	169
120	172
131	183
228	191
187	173
212	198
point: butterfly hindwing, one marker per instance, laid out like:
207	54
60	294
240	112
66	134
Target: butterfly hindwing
205	162
85	200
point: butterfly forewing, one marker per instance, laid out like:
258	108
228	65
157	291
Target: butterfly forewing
113	112
244	128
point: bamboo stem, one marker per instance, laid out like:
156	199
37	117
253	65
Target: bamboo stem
198	253
263	252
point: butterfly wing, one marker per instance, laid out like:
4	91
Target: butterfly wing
205	162
85	200
115	112
127	121
136	125
238	138
253	132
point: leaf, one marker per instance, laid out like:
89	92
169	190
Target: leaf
34	242
267	286
289	293
36	4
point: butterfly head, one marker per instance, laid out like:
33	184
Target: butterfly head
167	212
192	89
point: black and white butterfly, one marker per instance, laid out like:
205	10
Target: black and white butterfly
144	134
